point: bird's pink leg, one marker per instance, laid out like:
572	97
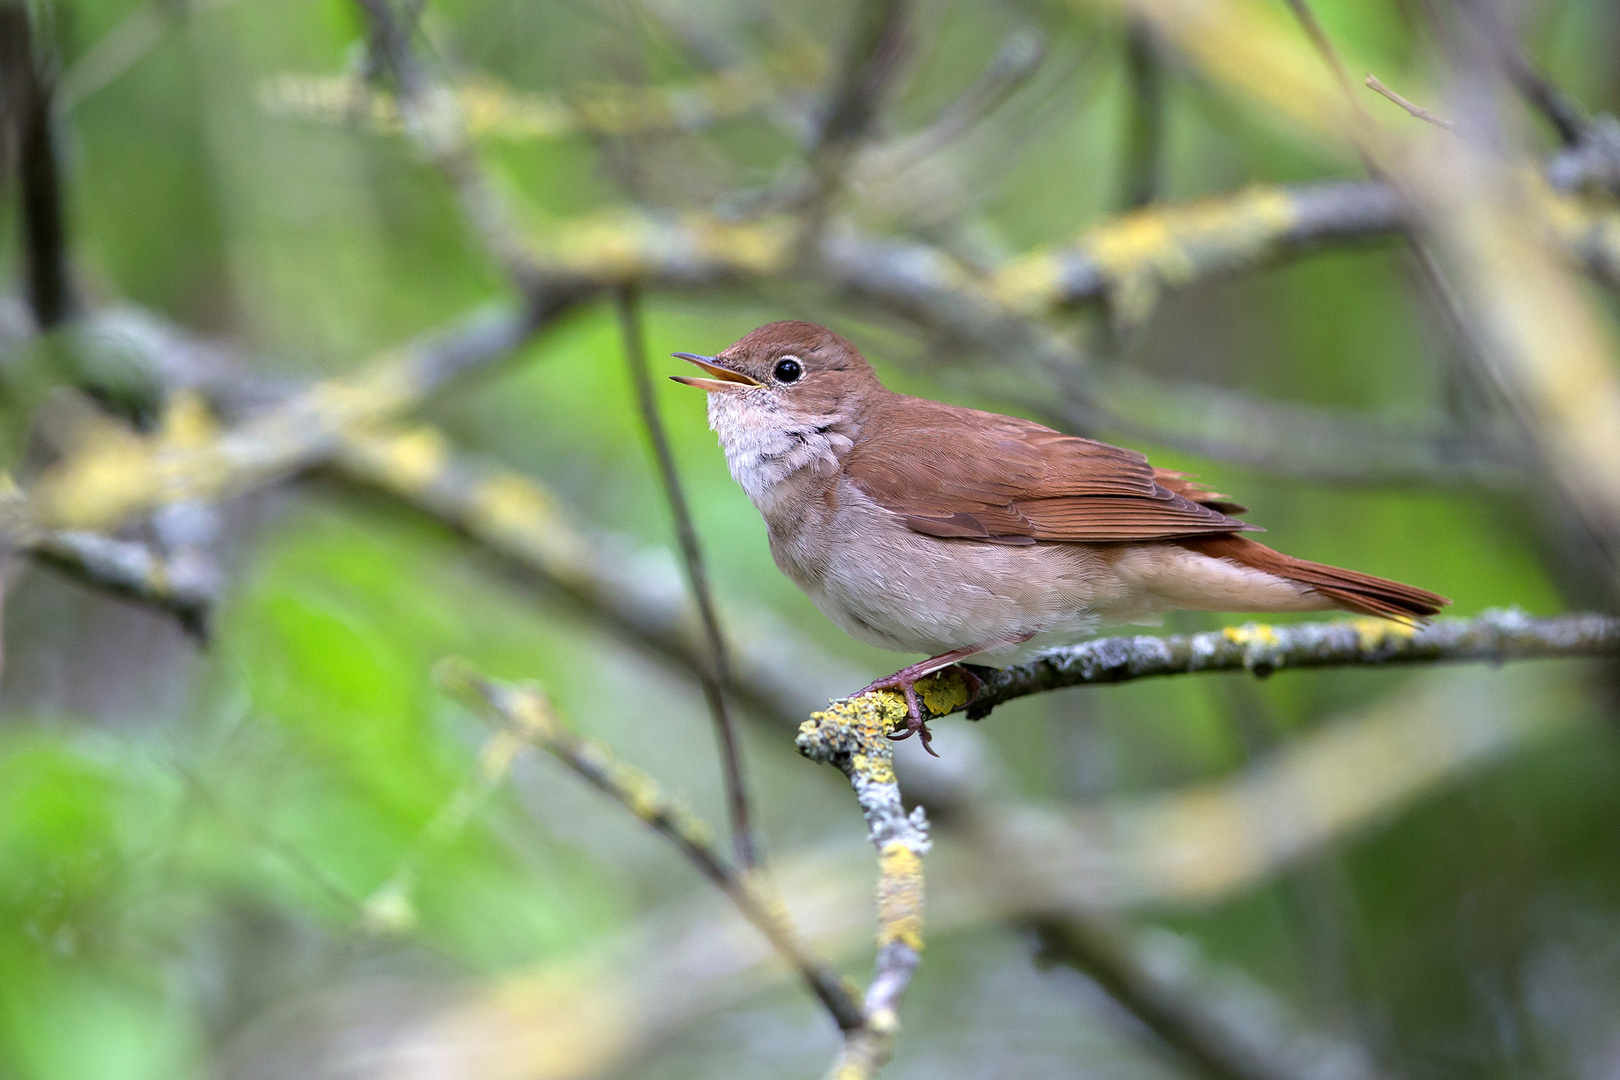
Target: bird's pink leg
905	680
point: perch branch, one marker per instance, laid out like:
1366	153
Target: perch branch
1261	649
852	737
530	713
717	672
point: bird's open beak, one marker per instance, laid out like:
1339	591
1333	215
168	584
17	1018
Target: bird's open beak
724	377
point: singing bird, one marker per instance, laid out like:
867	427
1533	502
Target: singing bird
922	527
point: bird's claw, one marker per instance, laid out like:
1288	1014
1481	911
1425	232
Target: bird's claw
906	684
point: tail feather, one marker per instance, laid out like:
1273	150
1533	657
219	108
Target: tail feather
1350	589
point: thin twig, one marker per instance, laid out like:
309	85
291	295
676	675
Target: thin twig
717	673
1416	110
1018	58
1314	30
530	713
120	48
391	907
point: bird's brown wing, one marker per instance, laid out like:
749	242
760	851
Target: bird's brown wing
953	472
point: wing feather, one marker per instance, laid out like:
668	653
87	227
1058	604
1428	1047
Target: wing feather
960	473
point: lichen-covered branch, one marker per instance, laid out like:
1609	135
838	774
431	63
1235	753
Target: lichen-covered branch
853	738
185	588
134	571
107	481
1262	649
530	714
494	110
507	513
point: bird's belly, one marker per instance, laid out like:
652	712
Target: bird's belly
890	587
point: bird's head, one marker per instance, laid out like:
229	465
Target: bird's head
793	370
788	397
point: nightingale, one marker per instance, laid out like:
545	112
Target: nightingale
922	527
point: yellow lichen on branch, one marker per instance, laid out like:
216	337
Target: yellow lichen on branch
1142	252
900	896
853	736
491	109
114	473
628	246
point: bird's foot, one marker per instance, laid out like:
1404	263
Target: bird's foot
905	681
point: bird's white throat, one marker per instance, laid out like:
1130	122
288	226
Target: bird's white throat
765	445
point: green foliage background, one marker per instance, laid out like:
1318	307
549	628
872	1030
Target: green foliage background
186	835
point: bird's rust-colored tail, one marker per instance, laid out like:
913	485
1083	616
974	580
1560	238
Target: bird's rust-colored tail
1349	589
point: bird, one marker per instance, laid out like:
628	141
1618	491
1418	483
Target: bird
922	527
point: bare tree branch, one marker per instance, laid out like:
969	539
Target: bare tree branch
1565	116
1090	946
513	516
493	109
434	122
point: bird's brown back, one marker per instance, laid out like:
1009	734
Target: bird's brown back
955	472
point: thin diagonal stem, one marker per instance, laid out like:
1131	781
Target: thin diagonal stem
718	671
528	713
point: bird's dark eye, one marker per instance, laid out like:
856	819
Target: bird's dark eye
787	370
